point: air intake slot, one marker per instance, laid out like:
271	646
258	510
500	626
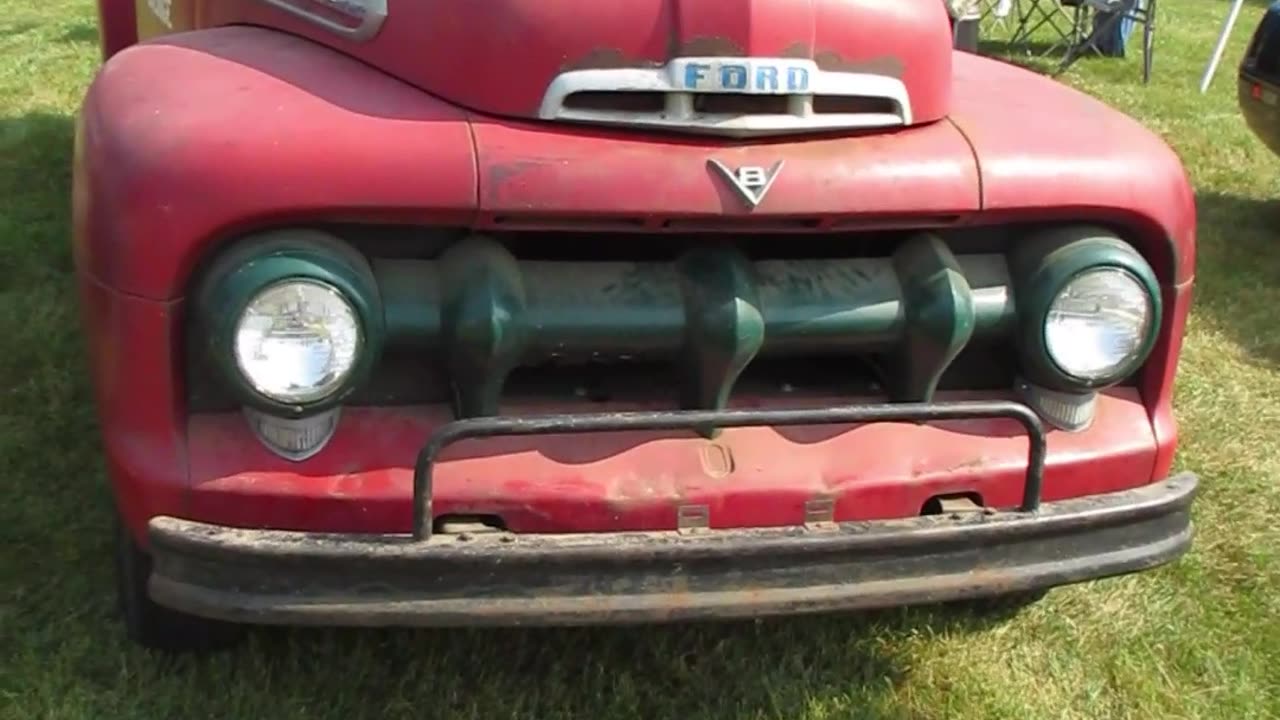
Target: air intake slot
603	101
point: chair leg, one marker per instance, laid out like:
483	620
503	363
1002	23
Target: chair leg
1081	40
1082	17
1148	39
1139	12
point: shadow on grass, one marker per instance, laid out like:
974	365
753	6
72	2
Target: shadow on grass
35	197
1238	271
729	670
17	28
77	33
81	33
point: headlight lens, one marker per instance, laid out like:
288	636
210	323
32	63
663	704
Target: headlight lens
1097	324
297	341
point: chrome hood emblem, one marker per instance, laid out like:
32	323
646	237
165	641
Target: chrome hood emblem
751	181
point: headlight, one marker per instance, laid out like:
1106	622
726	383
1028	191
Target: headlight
1097	324
1088	308
297	341
291	320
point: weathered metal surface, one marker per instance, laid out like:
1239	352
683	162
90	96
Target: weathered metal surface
167	168
940	315
724	326
712	310
443	437
536	170
502	578
382	132
608	482
482	332
520	46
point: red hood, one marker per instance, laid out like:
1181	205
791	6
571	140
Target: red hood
502	56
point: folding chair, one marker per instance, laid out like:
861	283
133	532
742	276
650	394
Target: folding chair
1142	12
998	12
1037	14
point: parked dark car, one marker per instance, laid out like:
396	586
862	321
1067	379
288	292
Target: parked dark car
1259	80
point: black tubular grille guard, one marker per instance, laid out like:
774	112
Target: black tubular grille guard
689	419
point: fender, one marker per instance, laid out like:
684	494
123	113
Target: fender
1082	157
1086	159
186	139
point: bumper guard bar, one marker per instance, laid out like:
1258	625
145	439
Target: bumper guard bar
474	428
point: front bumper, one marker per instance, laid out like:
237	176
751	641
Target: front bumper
281	577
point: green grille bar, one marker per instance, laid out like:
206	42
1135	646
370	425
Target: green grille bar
484	313
939	307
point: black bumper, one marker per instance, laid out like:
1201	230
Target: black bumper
276	577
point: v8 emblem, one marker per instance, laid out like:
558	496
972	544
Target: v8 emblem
751	181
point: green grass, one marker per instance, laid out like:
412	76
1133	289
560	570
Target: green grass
1199	638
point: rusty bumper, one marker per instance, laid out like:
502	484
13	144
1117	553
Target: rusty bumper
279	577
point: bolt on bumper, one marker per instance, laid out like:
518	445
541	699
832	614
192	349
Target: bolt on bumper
280	577
286	577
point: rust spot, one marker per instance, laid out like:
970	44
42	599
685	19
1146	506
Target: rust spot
608	59
626	492
884	65
973	464
714	46
798	50
499	174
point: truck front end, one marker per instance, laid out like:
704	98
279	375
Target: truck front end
552	313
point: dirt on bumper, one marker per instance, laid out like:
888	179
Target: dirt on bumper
280	577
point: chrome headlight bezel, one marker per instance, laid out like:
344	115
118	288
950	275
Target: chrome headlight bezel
242	273
1042	268
1119	368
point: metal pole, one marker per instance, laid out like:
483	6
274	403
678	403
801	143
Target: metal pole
1221	46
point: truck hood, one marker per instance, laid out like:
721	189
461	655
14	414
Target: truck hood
729	67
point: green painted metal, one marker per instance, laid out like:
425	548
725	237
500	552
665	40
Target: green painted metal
238	275
411	301
710	311
483	322
940	316
724	328
1041	266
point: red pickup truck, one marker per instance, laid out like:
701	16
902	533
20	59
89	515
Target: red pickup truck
561	311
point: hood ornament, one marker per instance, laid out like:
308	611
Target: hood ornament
751	181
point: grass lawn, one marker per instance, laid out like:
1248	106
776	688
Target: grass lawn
1200	638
